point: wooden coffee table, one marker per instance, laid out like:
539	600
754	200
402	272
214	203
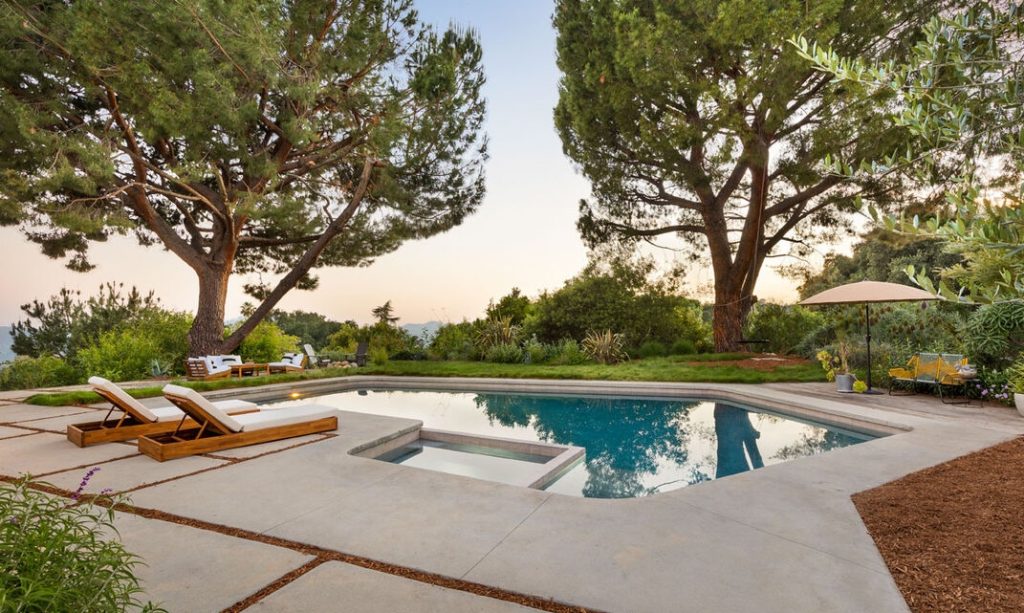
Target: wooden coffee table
249	368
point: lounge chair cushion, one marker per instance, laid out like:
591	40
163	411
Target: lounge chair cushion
285	416
123	398
161	413
190	394
228	406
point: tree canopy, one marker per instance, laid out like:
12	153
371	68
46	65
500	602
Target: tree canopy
958	95
262	137
697	119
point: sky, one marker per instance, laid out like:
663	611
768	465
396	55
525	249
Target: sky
524	234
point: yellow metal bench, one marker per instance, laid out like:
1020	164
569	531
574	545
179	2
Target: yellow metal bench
934	369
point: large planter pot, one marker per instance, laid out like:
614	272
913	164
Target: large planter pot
1018	399
844	383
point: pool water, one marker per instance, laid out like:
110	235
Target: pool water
634	446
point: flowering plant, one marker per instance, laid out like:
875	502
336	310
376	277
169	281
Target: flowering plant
59	555
838	364
992	385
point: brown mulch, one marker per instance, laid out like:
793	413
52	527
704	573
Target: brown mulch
763	363
953	535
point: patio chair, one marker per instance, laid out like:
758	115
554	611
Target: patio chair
314	359
291	362
361	351
938	370
210	367
136	418
215	430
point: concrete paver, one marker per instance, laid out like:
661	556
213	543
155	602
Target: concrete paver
334	586
16	413
195	570
7	432
44	453
133	472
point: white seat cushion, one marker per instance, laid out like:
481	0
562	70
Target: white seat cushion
166	413
123	398
284	416
190	394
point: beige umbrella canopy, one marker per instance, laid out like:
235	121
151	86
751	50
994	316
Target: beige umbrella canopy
868	292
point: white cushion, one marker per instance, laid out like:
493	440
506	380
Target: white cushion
165	413
123	398
230	359
309	350
223	418
285	416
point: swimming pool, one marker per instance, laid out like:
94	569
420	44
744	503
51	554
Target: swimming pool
634	446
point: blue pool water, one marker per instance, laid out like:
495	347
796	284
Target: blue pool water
634	446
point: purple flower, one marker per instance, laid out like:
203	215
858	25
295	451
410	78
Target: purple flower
85	482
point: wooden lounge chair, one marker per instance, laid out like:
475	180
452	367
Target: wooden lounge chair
210	367
215	430
136	418
314	359
292	362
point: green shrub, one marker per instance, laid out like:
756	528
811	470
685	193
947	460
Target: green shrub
130	350
346	338
54	557
28	373
784	327
536	351
605	347
1015	377
683	347
407	354
994	334
505	353
497	331
652	349
455	342
378	355
267	343
567	352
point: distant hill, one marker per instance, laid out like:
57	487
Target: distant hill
419	330
5	344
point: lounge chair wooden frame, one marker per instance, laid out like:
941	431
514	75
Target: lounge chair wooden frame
129	426
207	434
276	368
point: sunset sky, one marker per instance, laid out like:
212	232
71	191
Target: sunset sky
523	235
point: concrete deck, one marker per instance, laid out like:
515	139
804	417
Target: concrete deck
783	538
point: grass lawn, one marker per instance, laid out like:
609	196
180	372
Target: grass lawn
713	368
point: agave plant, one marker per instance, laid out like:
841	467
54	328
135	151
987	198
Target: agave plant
605	347
497	331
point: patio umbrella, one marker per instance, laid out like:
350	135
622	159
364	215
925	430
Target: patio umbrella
868	292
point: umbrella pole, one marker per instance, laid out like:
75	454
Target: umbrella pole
867	321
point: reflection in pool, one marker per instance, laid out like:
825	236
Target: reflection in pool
634	446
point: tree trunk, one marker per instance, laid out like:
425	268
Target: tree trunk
729	317
206	337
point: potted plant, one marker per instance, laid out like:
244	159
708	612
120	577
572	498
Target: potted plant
837	367
1015	379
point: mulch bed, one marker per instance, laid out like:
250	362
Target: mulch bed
764	363
953	535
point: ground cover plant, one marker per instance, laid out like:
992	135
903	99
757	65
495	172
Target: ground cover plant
57	554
